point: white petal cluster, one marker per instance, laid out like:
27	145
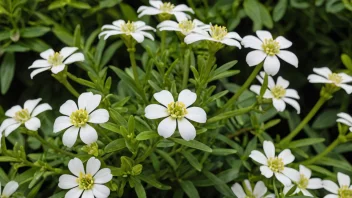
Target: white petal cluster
268	50
177	113
158	7
135	29
185	26
303	181
326	76
86	183
258	192
275	165
76	119
55	61
9	189
26	115
217	34
278	92
346	119
344	189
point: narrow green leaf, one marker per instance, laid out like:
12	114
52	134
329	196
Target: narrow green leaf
8	159
219	184
32	32
193	144
152	181
139	189
63	35
189	188
77	37
305	142
167	158
79	4
192	160
252	9
347	61
146	135
223	151
279	10
115	145
7	71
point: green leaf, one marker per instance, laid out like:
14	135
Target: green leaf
110	52
36	177
128	12
167	158
79	5
225	67
334	6
111	127
252	145
115	145
347	61
327	161
300	4
192	160
139	189
32	32
225	75
146	135
321	170
193	144
35	44
63	35
77	37
223	151
34	192
7	71
4	35
305	142
326	119
57	4
279	10
8	159
265	16
189	188
153	182
219	184
252	9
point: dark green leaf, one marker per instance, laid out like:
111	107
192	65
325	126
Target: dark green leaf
7	71
193	144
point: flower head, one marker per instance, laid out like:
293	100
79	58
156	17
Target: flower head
346	119
215	33
9	189
275	164
176	113
26	115
259	190
303	182
267	50
278	92
55	61
165	9
76	119
135	29
343	190
325	75
185	26
89	181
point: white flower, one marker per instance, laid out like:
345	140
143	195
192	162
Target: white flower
259	190
158	7
344	190
275	164
216	34
185	26
346	119
135	29
76	119
9	189
26	116
303	181
176	113
326	76
56	61
278	92
89	182
268	49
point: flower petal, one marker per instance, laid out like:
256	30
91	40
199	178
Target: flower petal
74	193
344	180
155	111
93	166
58	68
292	93
259	157
70	136
233	35
40	109
62	123
196	114
109	33
118	23
252	42
247	185
67	181
187	97
77	57
293	103
75	165
168	23
164	97
323	71
40	64
340	120
67	51
291	173
47	53
283	179
255	89
313	78
110	27
260	189
194	37
347	88
330	186
10	188
148	11
238	190
93	103
88	194
262	34
306	193
186	129
345	78
155	3
231	42
271	65
255	57
31	104
315	183
101	191
180	16
283	42
282	82
103	176
167	127
84	99
13	110
88	134
269	149
331	196
37	71
11	128
289	57
99	116
286	156
68	107
279	104
6	123
32	124
183	8
346	117
264	170
146	34
138	37
305	171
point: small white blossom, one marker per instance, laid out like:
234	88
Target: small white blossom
217	34
26	115
176	113
278	92
346	119
76	119
259	190
267	50
9	189
343	190
303	182
55	61
275	164
326	76
88	182
158	7
135	29
185	26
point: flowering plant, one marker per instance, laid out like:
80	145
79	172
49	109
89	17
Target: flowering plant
150	101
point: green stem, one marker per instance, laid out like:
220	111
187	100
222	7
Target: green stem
80	80
163	41
63	80
246	84
186	69
324	153
135	73
304	122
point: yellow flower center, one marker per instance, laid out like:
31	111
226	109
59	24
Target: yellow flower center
345	192
177	109
336	78
56	59
79	118
218	32
85	181
186	26
271	47
278	92
303	182
22	116
128	28
167	7
276	164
